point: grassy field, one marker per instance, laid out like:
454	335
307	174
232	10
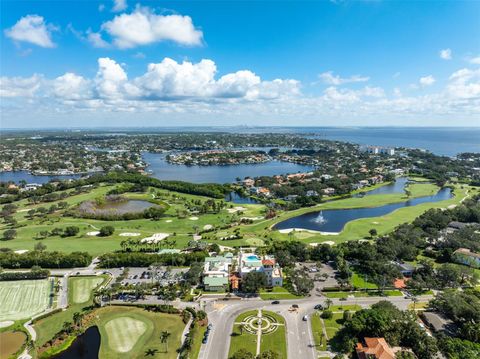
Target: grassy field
82	288
198	334
46	328
243	340
23	299
129	332
359	282
275	341
183	228
277	293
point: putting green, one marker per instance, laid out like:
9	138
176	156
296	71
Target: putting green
23	299
83	287
124	332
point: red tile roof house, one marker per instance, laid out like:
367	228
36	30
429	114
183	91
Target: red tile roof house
376	348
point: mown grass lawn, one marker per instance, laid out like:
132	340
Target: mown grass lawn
47	327
317	330
275	341
198	333
243	340
115	324
359	282
277	293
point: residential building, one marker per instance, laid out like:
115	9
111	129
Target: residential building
376	348
438	322
216	272
250	262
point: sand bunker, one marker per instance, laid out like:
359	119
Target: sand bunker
93	233
168	221
155	238
129	234
6	323
193	218
207	227
235	209
21	251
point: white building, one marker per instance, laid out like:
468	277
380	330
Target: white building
250	262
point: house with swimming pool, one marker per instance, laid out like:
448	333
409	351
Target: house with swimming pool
251	262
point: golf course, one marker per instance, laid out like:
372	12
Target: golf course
130	332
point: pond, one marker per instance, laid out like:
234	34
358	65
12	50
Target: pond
116	207
163	170
129	206
239	199
333	220
86	346
395	187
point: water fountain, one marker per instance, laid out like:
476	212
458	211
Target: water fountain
320	219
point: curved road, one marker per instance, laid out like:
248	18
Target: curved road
300	343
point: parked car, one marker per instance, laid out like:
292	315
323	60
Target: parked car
294	305
276	302
305	318
318	307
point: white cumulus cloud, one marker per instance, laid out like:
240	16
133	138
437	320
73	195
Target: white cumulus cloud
427	80
20	86
119	5
32	29
144	27
445	54
331	79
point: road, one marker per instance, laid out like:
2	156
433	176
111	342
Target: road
300	343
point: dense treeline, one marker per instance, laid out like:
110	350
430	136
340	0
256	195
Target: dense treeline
33	274
385	320
44	259
138	259
213	190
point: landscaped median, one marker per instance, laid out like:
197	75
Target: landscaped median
258	331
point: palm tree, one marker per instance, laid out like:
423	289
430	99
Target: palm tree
415	301
164	339
77	317
328	302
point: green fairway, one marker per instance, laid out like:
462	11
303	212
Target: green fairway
82	288
23	299
123	333
130	332
273	335
47	327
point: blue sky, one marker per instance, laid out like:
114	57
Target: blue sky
102	63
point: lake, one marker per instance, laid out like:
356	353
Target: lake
163	170
17	176
333	220
448	141
86	346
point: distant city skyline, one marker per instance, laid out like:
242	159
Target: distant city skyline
188	63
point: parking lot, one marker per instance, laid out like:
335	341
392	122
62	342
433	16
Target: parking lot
161	275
